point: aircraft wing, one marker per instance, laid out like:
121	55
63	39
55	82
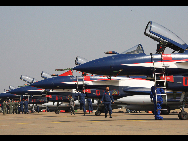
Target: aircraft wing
137	90
104	82
182	64
110	82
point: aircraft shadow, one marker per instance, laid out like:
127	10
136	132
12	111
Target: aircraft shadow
100	120
153	119
148	114
65	121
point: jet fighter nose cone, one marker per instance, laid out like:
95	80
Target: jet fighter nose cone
81	68
103	66
42	84
36	84
88	68
54	83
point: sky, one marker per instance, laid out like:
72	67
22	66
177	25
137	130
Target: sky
36	39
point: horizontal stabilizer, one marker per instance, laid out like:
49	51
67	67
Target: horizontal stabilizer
63	69
68	73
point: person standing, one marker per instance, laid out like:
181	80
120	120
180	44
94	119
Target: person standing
72	104
26	107
4	107
21	106
82	102
10	107
15	107
159	102
90	105
107	98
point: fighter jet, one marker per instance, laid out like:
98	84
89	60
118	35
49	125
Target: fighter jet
91	82
134	92
135	62
8	96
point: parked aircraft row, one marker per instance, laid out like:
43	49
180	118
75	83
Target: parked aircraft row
130	76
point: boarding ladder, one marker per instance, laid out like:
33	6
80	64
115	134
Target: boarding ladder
158	73
83	87
83	84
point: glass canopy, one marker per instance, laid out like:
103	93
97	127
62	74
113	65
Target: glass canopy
134	50
161	33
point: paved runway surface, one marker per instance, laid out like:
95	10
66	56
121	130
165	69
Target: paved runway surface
64	124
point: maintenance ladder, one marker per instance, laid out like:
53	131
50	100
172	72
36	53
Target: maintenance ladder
157	76
83	87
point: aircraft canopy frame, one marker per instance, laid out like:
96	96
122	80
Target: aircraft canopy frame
163	35
134	50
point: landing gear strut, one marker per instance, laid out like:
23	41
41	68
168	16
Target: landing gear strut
99	109
183	115
57	110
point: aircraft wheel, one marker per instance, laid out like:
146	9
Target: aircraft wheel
57	111
182	115
32	111
97	113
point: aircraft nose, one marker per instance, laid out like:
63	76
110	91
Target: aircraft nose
42	84
13	91
102	66
82	68
92	67
36	84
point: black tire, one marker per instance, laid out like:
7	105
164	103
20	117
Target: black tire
183	115
97	113
57	111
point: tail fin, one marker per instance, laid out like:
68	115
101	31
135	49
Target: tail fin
68	73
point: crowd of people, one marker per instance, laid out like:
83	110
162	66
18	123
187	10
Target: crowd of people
11	107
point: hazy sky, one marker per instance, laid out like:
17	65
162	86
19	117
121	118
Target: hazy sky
36	39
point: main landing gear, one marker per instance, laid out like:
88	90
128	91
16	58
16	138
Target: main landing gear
183	115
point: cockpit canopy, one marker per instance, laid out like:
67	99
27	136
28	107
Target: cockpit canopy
164	36
134	50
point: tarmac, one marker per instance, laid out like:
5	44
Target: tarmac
121	123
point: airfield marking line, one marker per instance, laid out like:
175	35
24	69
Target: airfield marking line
55	122
22	123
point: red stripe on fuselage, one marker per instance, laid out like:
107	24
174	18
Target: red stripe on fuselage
167	56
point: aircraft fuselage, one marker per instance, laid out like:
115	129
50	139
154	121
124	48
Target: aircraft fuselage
136	64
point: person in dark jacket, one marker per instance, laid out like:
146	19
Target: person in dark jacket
89	102
107	98
82	102
26	107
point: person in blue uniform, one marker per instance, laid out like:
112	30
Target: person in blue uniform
82	102
26	107
157	106
89	102
107	98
